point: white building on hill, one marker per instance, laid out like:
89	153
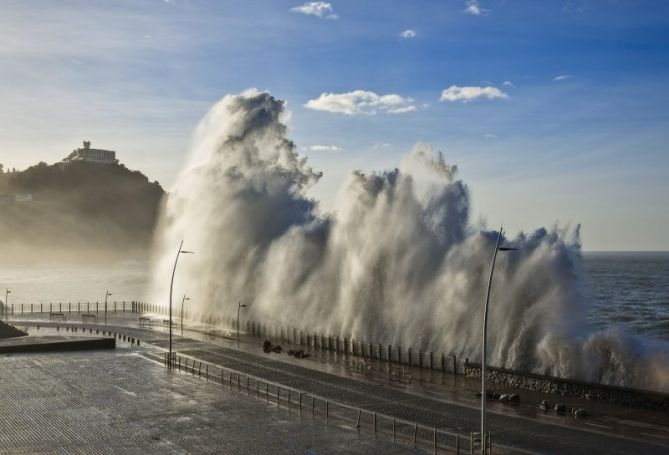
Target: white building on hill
95	155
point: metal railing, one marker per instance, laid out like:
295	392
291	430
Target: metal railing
14	309
334	343
330	411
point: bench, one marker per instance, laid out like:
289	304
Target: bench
166	324
360	366
89	317
398	373
145	322
57	317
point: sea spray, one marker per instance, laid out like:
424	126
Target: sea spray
398	262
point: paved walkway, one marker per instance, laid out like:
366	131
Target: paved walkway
433	401
120	402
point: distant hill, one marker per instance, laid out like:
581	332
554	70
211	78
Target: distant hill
79	205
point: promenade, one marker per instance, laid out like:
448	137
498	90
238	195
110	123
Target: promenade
432	399
120	402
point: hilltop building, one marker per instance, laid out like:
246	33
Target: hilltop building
95	155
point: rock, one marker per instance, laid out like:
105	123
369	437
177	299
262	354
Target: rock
267	346
514	398
560	408
545	405
504	398
276	349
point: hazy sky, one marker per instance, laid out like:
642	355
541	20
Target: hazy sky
554	111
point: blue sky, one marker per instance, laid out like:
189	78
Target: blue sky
558	111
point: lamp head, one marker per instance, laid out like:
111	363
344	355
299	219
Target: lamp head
186	252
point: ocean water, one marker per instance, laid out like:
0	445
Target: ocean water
626	290
55	282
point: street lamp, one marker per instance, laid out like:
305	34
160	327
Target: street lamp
169	361
107	294
240	305
182	314
485	332
6	309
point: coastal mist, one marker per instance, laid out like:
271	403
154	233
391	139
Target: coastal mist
398	261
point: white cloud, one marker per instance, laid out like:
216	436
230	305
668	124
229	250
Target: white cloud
402	110
408	34
323	10
508	84
455	93
361	102
324	148
561	77
490	136
472	7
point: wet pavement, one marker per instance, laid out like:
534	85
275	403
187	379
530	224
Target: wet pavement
429	397
120	402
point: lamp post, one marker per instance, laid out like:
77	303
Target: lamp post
181	323
169	361
107	294
240	305
6	309
485	333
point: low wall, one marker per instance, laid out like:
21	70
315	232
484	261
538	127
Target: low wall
51	345
569	388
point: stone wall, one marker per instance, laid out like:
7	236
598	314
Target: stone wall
560	386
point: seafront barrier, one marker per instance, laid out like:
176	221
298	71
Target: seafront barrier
366	349
570	388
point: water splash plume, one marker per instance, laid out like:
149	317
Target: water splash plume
399	262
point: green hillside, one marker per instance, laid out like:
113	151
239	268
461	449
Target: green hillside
78	204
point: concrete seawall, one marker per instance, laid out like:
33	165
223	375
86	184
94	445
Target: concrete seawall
569	388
